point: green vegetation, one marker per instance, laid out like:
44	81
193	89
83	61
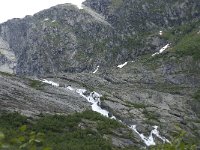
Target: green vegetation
54	24
83	131
81	56
116	3
79	131
151	115
5	74
136	41
38	85
133	42
196	95
189	45
169	88
128	103
16	134
177	144
177	33
185	39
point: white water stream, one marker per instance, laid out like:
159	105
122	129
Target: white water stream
94	99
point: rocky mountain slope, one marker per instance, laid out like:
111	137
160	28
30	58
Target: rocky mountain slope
53	40
32	97
64	38
142	56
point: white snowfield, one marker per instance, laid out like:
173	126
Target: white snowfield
50	82
122	65
94	99
161	33
96	69
162	50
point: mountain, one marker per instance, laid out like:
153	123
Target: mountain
73	40
141	56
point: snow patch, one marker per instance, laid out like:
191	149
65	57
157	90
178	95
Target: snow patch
162	50
122	65
96	69
46	19
50	82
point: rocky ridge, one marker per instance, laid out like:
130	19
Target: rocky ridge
84	47
67	39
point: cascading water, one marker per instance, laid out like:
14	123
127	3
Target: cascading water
94	99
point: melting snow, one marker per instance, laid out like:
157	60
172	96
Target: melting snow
46	19
122	65
162	50
50	82
96	69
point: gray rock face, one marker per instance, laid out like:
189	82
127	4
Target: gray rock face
32	97
7	58
66	39
61	38
131	16
138	95
67	44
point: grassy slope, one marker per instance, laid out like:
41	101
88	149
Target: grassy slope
78	131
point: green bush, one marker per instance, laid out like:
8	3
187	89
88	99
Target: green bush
185	39
38	85
177	144
196	95
56	131
189	46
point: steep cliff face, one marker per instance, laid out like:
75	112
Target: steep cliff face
66	39
7	57
133	16
61	38
137	23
